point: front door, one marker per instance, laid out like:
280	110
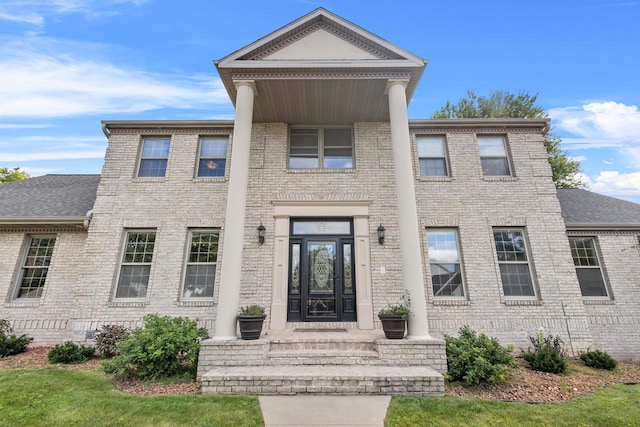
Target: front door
321	279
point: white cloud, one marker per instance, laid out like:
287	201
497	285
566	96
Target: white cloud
614	183
35	12
599	124
24	126
44	77
38	148
62	155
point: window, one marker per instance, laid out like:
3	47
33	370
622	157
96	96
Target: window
432	155
585	258
514	263
320	147
35	266
444	261
212	159
153	159
493	155
136	264
201	264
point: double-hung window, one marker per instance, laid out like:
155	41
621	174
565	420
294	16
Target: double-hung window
432	155
153	158
201	264
212	159
588	269
35	266
444	262
136	264
511	248
320	147
493	155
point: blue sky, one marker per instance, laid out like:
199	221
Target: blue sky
67	64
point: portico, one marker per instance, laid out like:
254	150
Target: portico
360	78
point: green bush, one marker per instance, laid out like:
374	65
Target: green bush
164	347
475	359
69	352
13	344
107	338
10	343
598	359
547	353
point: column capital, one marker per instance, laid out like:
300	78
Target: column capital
393	82
249	83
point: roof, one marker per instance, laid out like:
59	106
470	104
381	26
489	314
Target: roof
54	197
586	209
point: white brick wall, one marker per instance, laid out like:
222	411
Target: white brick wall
80	287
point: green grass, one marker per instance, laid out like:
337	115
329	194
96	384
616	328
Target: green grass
58	397
614	406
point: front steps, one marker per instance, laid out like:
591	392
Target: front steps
320	379
351	362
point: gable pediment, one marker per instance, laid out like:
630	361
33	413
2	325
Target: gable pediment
320	68
319	43
320	37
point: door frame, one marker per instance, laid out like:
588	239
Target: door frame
363	233
345	302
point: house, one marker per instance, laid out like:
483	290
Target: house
357	206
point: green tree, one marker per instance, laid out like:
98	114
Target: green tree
503	104
15	174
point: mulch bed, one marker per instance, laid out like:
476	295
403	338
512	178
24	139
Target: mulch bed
523	385
526	385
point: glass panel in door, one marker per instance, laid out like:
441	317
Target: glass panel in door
321	292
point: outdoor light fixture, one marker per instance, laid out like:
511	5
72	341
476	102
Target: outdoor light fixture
381	234
261	229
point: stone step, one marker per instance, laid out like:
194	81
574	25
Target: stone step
323	379
323	344
320	357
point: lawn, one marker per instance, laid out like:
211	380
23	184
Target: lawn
617	405
59	397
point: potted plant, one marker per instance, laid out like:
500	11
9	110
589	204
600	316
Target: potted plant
394	318
251	318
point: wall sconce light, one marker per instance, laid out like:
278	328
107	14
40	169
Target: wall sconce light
381	234
261	229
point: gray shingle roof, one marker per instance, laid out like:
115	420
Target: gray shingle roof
582	207
49	196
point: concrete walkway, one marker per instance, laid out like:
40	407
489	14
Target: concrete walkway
312	410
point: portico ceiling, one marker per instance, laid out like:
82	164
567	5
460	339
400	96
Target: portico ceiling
320	69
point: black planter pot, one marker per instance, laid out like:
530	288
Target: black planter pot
393	326
250	326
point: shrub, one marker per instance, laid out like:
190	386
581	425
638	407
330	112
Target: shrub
547	353
598	359
69	352
165	346
403	309
251	310
107	338
475	359
10	343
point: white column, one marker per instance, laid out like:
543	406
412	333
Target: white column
407	211
230	274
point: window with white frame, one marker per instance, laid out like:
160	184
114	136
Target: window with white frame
444	262
588	268
135	267
200	271
515	272
35	266
432	155
153	157
320	147
212	157
493	155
